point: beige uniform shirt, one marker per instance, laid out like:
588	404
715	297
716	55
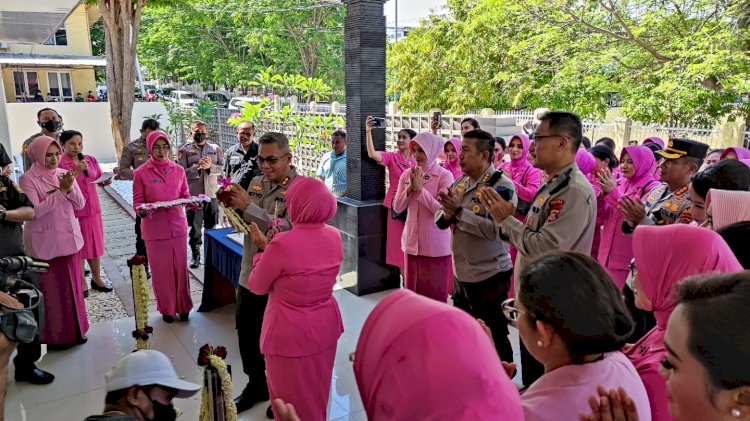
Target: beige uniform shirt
664	207
478	250
134	154
562	218
266	198
201	181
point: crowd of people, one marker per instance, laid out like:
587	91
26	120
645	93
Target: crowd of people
605	261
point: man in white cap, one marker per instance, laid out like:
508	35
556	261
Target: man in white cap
141	387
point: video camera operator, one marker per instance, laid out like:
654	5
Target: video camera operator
15	208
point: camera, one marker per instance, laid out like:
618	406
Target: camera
378	122
437	117
20	325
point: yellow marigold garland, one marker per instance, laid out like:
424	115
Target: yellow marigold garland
214	357
141	299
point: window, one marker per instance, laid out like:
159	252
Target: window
26	84
60	86
59	38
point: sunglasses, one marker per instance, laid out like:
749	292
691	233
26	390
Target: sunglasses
271	160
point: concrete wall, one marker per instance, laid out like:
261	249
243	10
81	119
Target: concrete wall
90	118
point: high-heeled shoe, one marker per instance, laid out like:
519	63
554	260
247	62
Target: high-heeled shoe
105	288
167	318
184	316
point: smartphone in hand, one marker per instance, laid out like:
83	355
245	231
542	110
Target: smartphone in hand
378	122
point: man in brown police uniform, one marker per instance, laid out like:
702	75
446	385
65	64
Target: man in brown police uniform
481	259
563	212
203	161
262	204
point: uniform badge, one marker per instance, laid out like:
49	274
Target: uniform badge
283	193
285	181
460	185
256	187
478	194
3	188
555	207
193	152
552	215
539	200
486	177
140	158
668	204
181	152
675	208
651	197
476	208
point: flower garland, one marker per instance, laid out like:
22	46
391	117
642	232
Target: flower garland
214	357
225	197
195	200
140	301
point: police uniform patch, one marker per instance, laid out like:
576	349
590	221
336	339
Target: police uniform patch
283	193
486	177
552	215
193	152
3	188
256	187
675	208
285	181
539	200
460	185
555	206
181	152
476	208
651	197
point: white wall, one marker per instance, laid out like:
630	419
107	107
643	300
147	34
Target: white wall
90	118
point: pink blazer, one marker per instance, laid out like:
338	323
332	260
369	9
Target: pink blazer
298	271
421	235
85	184
149	185
55	231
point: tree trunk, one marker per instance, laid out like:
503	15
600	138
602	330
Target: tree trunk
121	25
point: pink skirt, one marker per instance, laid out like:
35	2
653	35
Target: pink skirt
394	256
92	231
302	381
169	275
65	319
429	276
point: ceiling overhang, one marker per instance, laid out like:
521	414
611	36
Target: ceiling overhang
32	22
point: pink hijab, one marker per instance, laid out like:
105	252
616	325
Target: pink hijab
431	145
742	153
419	359
745	161
585	161
654	139
525	144
644	162
309	202
728	207
454	167
150	142
37	152
665	255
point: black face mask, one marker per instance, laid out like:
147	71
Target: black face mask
163	412
51	125
199	137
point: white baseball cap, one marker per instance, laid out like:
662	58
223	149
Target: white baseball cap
148	367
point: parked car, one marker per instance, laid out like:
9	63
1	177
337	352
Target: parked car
151	95
183	98
221	99
236	102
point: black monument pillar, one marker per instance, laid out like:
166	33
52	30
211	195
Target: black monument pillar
361	218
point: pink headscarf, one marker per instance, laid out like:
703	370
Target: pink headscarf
310	202
745	161
150	142
665	255
654	139
742	153
728	207
37	152
585	161
431	145
644	162
525	144
455	166
419	359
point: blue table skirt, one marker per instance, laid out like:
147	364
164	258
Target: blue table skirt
224	254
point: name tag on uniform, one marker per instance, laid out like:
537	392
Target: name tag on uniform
156	180
256	195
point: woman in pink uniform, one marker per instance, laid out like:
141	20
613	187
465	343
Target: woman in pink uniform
427	248
586	163
90	217
55	238
455	375
396	162
725	207
664	256
525	176
451	149
302	323
616	248
737	153
164	230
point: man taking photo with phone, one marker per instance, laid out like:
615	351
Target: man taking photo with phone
481	259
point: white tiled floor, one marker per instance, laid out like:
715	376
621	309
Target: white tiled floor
78	390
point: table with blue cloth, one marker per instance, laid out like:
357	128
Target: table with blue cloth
221	275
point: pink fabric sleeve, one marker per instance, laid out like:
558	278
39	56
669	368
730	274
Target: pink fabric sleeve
42	205
138	191
656	388
267	267
75	197
401	201
612	197
445	180
96	170
386	158
533	181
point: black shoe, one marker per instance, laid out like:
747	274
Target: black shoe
184	316
168	319
35	376
59	347
86	272
148	272
196	262
86	294
243	402
82	341
105	288
269	412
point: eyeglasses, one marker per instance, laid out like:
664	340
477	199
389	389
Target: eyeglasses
537	137
160	147
271	160
511	313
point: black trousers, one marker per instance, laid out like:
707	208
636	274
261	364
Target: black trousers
206	216
249	319
482	300
27	354
140	245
